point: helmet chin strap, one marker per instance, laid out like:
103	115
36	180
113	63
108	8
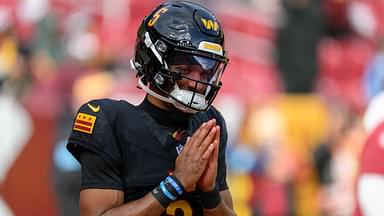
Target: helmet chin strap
153	93
183	96
146	87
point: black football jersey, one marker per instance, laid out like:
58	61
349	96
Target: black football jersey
138	149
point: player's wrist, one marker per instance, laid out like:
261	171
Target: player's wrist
176	183
161	197
210	199
169	190
184	182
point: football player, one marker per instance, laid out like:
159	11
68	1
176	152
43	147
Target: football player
165	156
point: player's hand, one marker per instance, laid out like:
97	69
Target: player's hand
208	179
191	162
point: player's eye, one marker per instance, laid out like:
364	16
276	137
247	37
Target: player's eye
183	70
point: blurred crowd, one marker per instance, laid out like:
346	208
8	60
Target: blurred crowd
300	77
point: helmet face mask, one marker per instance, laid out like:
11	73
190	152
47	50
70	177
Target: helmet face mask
176	39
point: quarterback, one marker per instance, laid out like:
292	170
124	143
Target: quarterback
165	156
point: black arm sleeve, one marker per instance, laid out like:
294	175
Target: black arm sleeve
97	173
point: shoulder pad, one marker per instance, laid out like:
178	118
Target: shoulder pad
92	127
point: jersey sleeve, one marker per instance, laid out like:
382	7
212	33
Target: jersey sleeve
97	173
93	131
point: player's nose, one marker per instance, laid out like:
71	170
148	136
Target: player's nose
193	83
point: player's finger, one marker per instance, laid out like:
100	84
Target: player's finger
208	152
187	145
194	135
202	135
198	137
207	141
216	151
215	155
217	140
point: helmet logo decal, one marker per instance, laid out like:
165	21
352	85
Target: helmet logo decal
156	16
209	24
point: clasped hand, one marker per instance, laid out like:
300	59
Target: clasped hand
197	163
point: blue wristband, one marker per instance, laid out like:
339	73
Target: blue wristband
166	192
175	185
174	177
